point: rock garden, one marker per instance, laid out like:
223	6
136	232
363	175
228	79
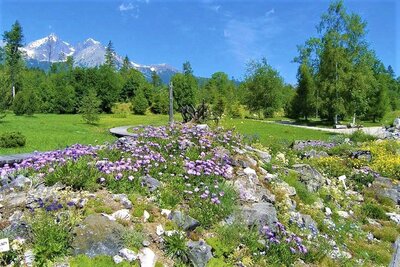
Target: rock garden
188	195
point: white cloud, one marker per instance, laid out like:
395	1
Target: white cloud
250	37
270	12
126	7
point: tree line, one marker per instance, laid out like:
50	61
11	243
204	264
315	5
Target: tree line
339	76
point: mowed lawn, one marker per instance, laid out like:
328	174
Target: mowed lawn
52	131
269	133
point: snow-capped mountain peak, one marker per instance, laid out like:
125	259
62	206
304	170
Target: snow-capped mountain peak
50	48
89	53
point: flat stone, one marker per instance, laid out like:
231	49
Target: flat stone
117	259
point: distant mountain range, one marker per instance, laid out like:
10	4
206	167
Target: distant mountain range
90	53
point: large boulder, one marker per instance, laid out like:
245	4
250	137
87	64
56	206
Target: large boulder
199	253
259	214
97	235
151	183
309	176
386	187
249	187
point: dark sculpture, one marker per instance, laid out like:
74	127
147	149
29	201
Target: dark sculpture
191	114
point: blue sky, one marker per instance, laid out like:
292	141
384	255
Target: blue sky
212	35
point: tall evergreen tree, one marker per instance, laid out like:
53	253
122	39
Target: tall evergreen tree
126	66
303	102
13	54
110	59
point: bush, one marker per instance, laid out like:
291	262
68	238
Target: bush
360	136
25	103
140	103
90	108
12	139
373	211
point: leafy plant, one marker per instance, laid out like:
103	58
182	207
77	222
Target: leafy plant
79	174
175	246
133	238
51	236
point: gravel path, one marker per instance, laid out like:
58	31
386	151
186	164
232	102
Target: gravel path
377	131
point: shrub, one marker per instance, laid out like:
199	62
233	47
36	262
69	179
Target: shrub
140	103
12	139
133	238
373	211
121	110
90	108
360	136
25	103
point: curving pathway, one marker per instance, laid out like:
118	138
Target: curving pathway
121	131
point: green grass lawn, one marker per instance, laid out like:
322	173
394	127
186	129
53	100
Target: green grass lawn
52	131
273	133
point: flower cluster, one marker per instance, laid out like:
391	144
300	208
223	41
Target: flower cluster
50	159
281	236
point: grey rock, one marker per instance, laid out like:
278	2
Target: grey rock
15	199
286	188
395	262
309	176
146	243
361	155
243	161
204	127
21	182
151	183
396	123
199	253
259	214
314	154
304	221
97	235
264	156
386	187
17	228
250	189
186	222
128	254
